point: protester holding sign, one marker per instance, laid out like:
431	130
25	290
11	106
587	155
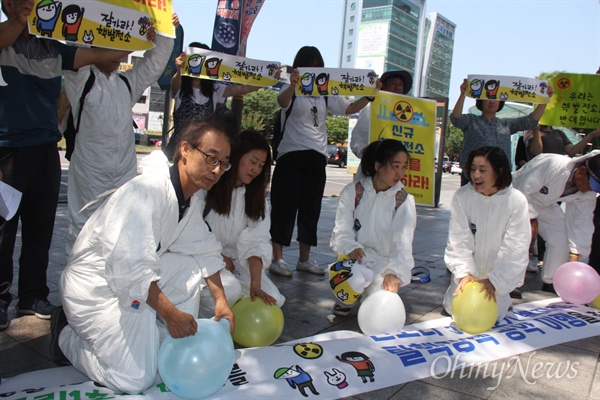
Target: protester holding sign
399	82
489	234
299	177
486	129
135	269
104	156
197	98
31	69
547	139
551	178
363	228
238	214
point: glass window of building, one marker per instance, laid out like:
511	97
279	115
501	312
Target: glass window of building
350	32
349	45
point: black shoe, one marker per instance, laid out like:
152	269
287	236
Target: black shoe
58	321
3	318
41	308
516	294
548	287
341	311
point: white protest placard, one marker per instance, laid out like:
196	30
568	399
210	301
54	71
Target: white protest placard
208	64
336	82
507	88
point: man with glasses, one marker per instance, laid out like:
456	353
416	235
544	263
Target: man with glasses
135	269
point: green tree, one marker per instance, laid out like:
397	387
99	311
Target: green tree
337	129
259	111
454	142
252	122
547	75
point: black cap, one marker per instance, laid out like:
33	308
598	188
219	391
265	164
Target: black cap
404	75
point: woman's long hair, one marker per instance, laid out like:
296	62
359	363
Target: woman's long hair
207	87
219	197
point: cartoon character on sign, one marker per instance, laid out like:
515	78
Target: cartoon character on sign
491	88
296	378
272	68
307	81
71	17
144	23
322	83
335	91
226	76
337	378
212	67
543	87
88	37
195	62
340	272
361	363
503	96
476	88
47	12
372	75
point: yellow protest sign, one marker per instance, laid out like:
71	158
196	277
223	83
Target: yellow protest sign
160	12
412	121
507	88
575	103
208	64
110	24
336	82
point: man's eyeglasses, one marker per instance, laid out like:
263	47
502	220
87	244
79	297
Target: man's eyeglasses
214	161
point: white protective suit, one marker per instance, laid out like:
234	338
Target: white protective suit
104	156
542	180
385	236
241	239
488	238
132	240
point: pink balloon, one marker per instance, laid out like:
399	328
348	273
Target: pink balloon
576	282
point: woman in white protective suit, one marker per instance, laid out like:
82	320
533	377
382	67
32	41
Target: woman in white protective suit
376	218
135	269
489	234
239	216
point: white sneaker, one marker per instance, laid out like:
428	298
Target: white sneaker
310	266
280	268
532	267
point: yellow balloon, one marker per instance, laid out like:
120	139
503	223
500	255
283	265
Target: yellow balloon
596	302
471	312
256	323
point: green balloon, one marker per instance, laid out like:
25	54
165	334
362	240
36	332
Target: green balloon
256	323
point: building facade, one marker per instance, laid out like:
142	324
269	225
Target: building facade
384	35
437	56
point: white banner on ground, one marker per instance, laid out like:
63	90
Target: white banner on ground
341	364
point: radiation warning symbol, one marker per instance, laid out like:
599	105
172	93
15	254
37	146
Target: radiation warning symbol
563	83
403	111
308	350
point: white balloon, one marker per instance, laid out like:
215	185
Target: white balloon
381	312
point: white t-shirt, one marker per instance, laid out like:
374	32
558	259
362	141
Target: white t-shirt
300	130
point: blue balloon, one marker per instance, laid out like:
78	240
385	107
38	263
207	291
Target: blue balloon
197	366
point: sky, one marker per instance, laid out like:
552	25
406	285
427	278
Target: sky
493	37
